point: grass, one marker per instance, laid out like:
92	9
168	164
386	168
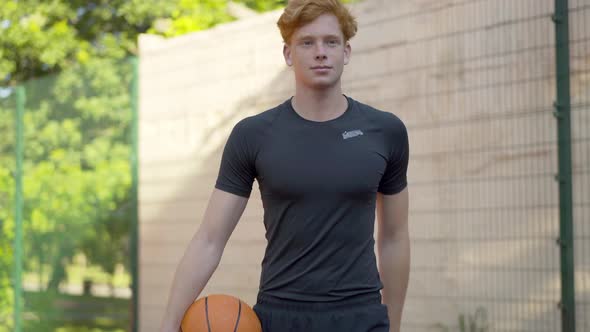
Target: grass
51	312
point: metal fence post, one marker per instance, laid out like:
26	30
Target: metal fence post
564	177
134	184
18	207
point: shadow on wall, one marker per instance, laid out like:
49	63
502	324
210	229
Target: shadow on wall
174	193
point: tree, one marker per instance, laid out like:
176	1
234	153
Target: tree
40	37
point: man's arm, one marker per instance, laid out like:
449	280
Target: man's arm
204	251
393	244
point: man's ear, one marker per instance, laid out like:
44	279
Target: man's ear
287	54
347	53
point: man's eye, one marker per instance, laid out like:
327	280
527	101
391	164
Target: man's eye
332	42
307	42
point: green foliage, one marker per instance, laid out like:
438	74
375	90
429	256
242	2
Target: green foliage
39	37
77	173
264	5
191	16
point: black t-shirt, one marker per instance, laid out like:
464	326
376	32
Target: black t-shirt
318	183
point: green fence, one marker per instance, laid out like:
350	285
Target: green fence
71	247
7	188
579	41
509	127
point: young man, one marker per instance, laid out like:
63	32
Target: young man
324	164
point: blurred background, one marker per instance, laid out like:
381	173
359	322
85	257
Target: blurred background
113	116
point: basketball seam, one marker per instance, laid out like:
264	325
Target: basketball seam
239	314
207	313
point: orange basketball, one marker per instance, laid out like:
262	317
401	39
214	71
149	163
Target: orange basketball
220	313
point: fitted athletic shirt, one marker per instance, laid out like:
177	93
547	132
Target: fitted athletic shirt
318	183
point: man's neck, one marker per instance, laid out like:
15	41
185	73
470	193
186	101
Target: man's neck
319	105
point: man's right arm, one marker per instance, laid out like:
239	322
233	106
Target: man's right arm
202	255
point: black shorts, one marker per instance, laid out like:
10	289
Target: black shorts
363	313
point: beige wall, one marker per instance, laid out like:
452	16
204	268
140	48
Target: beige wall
472	80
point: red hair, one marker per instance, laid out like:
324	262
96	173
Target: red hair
301	12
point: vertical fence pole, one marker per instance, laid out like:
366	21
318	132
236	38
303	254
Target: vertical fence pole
18	207
564	177
134	192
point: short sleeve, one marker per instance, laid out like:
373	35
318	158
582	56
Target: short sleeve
237	170
394	178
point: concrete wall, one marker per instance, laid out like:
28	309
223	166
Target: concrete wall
474	83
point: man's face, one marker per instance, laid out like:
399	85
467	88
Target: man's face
318	53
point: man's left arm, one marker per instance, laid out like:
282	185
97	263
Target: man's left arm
393	245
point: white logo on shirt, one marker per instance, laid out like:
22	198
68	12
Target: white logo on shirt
351	134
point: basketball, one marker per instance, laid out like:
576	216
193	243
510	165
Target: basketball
220	313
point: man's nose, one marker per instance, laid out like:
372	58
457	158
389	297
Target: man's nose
321	56
320	52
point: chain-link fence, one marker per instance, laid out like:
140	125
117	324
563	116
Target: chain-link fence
489	207
70	250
